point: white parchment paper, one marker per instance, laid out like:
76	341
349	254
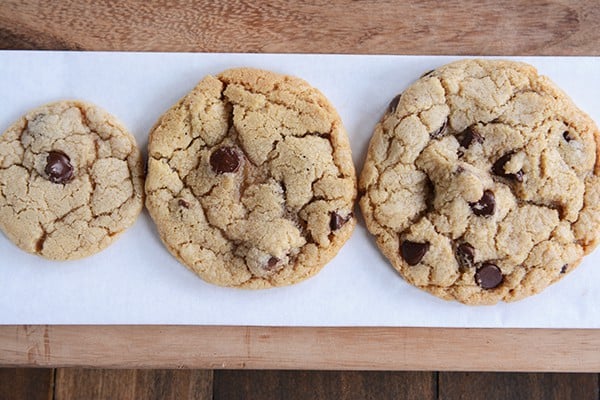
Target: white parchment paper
136	281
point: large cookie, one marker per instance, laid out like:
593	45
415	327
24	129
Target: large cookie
250	179
481	182
71	180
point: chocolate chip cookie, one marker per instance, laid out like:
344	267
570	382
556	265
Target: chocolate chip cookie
250	179
71	180
481	182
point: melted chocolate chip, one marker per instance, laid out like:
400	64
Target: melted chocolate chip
518	176
393	104
498	168
184	203
488	276
564	268
468	136
413	252
440	131
567	137
58	167
465	254
486	205
337	221
225	159
272	263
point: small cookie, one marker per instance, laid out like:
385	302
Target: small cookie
250	180
481	182
71	180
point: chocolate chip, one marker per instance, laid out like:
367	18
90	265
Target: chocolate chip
393	104
428	73
58	167
498	168
413	252
440	131
488	276
465	254
225	159
567	137
518	176
460	153
184	203
468	136
486	205
564	268
272	263
337	221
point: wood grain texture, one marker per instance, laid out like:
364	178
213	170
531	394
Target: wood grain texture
502	386
26	383
324	385
491	27
536	27
132	384
313	348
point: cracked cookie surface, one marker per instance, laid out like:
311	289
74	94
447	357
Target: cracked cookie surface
250	180
481	182
71	180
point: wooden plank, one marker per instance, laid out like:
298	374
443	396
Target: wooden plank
536	27
324	385
133	384
26	383
94	384
501	386
313	348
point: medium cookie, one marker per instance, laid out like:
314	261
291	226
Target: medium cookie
250	179
481	182
71	180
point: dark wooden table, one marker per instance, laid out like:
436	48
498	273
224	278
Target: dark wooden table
367	27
